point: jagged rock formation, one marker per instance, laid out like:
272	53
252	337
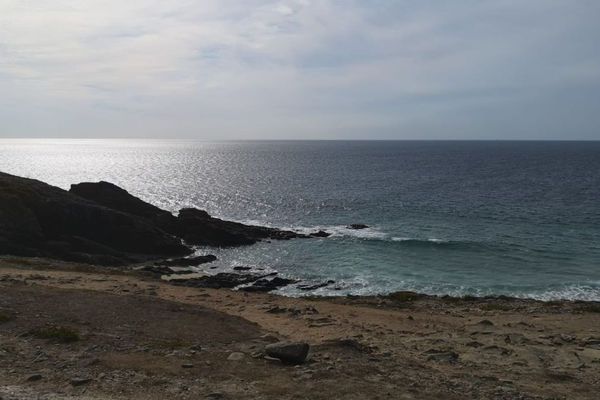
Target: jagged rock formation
101	223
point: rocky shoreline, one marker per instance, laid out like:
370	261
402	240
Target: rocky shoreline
101	223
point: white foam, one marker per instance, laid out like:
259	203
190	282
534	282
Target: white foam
334	230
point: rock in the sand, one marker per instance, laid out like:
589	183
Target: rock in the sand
291	353
242	268
187	365
357	226
80	381
236	356
34	378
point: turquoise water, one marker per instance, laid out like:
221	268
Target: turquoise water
479	218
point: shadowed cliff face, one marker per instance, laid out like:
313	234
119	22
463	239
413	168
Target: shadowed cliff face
195	227
37	219
101	223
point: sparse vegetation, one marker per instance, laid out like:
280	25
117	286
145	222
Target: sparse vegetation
56	333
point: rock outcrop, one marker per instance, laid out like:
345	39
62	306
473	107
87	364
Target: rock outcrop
195	227
37	219
101	223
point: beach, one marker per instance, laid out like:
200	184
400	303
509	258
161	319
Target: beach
72	330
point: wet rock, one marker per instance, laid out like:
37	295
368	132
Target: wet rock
188	261
316	286
218	281
291	353
267	285
320	234
357	226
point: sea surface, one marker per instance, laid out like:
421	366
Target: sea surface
457	217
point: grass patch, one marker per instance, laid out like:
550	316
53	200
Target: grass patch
59	334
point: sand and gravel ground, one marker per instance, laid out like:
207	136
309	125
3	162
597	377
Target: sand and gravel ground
122	335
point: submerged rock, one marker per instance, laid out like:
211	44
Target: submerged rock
321	234
291	353
357	226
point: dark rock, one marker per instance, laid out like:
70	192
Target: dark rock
357	226
37	219
198	228
242	268
321	234
291	353
267	285
188	261
80	381
316	286
34	378
101	223
187	365
218	281
160	270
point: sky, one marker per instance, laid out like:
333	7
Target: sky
300	69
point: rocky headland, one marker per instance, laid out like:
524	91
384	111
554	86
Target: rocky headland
101	223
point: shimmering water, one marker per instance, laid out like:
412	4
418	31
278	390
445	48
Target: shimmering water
515	218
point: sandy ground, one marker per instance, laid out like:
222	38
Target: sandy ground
139	338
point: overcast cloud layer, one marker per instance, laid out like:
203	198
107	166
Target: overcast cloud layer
306	69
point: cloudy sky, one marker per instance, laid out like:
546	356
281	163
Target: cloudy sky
305	69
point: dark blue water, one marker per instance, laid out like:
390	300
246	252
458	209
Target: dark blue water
516	218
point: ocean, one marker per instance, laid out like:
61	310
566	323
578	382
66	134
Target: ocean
445	217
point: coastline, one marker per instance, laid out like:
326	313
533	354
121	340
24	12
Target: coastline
404	345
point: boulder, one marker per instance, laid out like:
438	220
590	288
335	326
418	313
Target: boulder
291	353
